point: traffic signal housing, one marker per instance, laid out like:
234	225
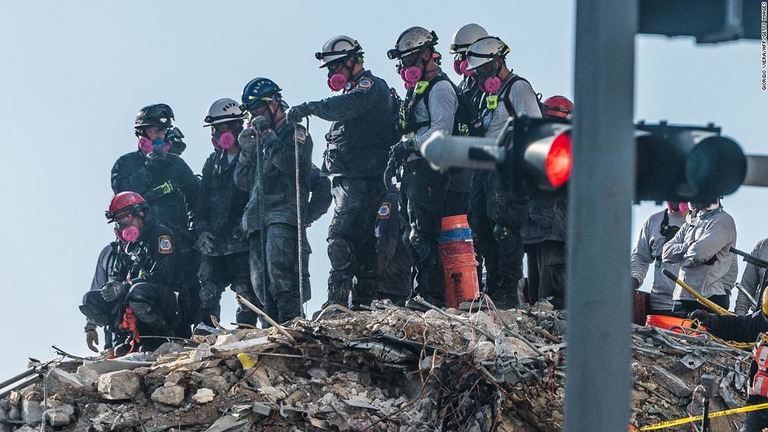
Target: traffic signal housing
534	156
686	163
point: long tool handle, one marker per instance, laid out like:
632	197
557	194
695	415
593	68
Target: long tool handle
751	259
703	300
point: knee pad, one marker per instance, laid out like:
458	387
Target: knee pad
339	253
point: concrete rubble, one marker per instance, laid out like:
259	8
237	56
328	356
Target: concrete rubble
386	369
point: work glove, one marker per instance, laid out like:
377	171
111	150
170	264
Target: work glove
635	284
113	290
205	242
92	337
400	151
298	112
248	139
705	318
208	294
155	159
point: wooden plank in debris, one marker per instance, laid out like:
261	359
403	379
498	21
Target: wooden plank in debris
671	382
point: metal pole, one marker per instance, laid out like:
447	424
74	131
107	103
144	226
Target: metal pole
598	353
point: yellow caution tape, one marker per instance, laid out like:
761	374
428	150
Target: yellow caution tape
671	423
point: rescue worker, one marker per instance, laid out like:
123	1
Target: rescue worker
430	105
355	157
753	280
218	217
104	264
393	257
749	328
658	229
171	189
460	179
139	296
271	218
498	211
545	230
702	249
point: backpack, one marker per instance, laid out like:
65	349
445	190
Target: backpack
463	117
492	100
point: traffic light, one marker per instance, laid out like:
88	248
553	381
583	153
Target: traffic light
709	21
686	163
532	153
674	163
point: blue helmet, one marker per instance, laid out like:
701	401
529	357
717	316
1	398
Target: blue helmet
258	90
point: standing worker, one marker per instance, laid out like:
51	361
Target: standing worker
430	105
219	213
702	249
171	189
658	230
271	217
499	212
355	158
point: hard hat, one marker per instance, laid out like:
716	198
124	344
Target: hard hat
154	115
125	203
466	36
412	40
337	48
485	50
258	90
558	106
222	111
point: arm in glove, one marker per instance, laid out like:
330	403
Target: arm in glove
400	151
92	337
205	242
298	112
705	318
113	290
248	140
635	284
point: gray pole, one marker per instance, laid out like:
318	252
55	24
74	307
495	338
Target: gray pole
598	356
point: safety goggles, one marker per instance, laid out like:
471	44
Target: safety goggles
255	103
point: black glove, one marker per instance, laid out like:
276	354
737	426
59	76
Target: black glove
400	151
298	112
705	318
390	172
208	295
113	290
205	242
635	284
155	159
92	337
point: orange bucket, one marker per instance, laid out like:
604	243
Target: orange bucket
461	282
454	222
672	323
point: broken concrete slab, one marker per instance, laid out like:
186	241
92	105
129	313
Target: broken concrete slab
119	385
172	395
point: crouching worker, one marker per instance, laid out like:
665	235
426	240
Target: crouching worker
138	299
746	329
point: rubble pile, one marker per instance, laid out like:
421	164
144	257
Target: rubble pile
386	369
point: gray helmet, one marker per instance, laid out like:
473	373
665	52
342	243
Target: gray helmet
411	41
466	36
337	48
485	50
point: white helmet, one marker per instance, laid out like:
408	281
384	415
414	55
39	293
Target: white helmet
337	48
485	50
412	40
223	110
466	36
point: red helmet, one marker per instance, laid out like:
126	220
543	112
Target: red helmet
558	106
124	203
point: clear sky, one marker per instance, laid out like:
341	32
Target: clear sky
75	73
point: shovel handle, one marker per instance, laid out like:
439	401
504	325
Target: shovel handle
703	300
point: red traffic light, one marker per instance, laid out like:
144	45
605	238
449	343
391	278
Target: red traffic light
541	156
